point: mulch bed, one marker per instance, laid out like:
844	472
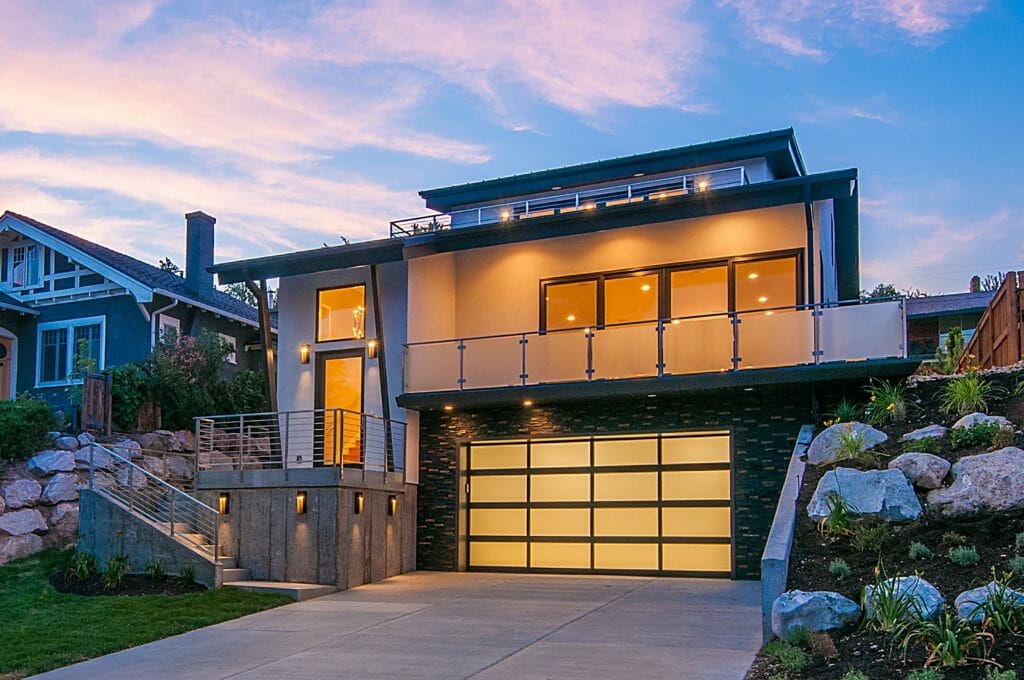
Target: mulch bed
133	584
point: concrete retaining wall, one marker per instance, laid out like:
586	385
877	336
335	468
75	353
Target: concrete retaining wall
775	558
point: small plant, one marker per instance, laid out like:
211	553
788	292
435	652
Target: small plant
792	658
82	565
979	434
949	641
1015	565
964	555
953	538
115	570
922	445
854	675
887	402
1003	437
839	569
187	574
155	569
850	444
891	609
798	636
844	412
967	394
1002	611
839	520
1018	541
919	551
947	358
925	674
870	537
994	674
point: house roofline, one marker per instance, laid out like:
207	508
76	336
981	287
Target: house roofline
18	308
209	308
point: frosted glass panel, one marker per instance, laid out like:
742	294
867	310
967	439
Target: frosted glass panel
560	454
432	367
698	345
625	556
696	522
695	485
498	489
781	338
492	362
497	522
713	449
560	555
625	486
626	522
626	452
560	522
498	456
560	488
626	351
695	557
497	554
873	331
557	357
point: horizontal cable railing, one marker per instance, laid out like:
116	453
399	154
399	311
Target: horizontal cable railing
710	343
172	510
590	199
295	439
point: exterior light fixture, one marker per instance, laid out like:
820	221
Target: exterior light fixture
589	206
224	503
358	504
527	403
300	503
303	354
702	185
661	195
392	505
762	299
371	348
448	407
504	216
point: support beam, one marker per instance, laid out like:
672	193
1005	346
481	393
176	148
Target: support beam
266	338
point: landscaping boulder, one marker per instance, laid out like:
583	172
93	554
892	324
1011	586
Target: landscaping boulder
16	547
3	503
85	439
825	447
21	522
66	443
987	482
926	600
934	431
922	469
819	610
160	440
886	494
153	465
49	462
137	479
62	487
178	467
127	448
22	493
975	418
64	520
186	439
101	460
968	603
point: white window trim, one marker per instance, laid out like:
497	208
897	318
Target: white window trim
24	246
166	321
231	358
70	325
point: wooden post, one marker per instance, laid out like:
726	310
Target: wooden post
266	337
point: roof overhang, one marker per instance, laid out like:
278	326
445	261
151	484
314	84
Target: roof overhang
209	308
20	309
310	261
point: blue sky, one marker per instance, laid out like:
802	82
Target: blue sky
298	123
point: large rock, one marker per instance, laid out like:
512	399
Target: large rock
975	418
186	439
127	448
875	493
969	603
64	520
22	493
49	462
3	503
101	460
988	482
21	522
933	431
820	610
16	547
62	487
925	599
153	465
85	439
922	469
825	447
66	444
177	467
125	476
160	440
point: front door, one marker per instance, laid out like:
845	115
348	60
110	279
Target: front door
340	394
6	355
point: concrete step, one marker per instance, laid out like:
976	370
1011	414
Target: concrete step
235	574
228	562
299	592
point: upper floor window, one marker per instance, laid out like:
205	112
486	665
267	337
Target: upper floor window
25	269
341	313
766	283
229	342
570	305
68	349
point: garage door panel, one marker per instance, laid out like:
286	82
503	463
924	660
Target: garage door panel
625	486
697	557
559	488
497	522
626	522
485	554
713	449
499	456
625	452
560	522
560	454
560	555
498	489
697	522
639	556
695	485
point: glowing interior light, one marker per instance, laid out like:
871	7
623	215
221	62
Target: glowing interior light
504	215
571	317
661	195
528	402
762	299
769	313
702	185
448	407
675	322
752	275
646	287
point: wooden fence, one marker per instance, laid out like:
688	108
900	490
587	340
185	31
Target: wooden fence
999	337
96	403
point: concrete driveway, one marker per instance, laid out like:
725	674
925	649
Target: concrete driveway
470	625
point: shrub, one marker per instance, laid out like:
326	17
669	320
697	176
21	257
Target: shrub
187	574
81	566
1003	437
949	641
919	551
25	426
964	555
155	569
953	538
792	658
1001	611
798	636
115	570
887	402
129	389
993	674
248	393
922	445
947	358
967	394
839	568
979	434
1018	541
1015	565
851	444
870	537
890	609
839	520
925	674
844	412
854	675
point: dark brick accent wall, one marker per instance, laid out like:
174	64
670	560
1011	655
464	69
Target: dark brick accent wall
764	423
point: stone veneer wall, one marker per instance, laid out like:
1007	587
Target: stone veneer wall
764	422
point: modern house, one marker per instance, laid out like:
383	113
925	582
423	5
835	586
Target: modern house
60	292
600	368
931	318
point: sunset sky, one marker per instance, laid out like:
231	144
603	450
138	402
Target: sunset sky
298	123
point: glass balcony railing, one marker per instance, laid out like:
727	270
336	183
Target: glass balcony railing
734	341
590	199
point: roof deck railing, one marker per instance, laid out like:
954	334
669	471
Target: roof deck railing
590	199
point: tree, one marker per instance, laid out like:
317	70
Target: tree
168	266
882	290
240	291
993	281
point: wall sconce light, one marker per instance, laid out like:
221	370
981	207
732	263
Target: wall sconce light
358	509
371	348
300	503
303	354
392	505
224	503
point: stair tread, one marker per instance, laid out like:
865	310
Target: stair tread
298	591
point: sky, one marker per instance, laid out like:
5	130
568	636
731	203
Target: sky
299	123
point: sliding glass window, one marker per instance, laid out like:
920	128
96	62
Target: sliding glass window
570	305
766	284
698	291
629	298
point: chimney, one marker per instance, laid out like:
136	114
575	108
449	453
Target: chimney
198	250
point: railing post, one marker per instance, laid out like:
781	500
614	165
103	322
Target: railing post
590	353
338	445
661	348
479	216
131	487
462	368
195	463
216	539
816	313
172	512
285	445
735	341
362	443
241	446
92	474
522	371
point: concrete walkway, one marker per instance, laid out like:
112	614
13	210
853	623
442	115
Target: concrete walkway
469	625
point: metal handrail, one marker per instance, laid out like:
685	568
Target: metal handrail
587	199
154	499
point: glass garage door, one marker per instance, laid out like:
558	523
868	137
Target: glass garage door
654	504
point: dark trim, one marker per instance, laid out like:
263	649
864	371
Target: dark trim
316	331
603	572
378	322
318	398
378	251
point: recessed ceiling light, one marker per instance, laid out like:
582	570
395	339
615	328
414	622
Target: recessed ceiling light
752	275
448	407
555	188
571	317
527	402
638	174
646	287
762	299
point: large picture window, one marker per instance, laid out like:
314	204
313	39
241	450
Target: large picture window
341	313
570	305
66	348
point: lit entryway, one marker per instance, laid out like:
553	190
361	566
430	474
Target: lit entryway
632	504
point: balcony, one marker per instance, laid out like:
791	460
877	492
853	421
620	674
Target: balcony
591	199
803	335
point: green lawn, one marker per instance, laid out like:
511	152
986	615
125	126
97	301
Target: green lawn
41	629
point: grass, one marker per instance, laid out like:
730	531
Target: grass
41	629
